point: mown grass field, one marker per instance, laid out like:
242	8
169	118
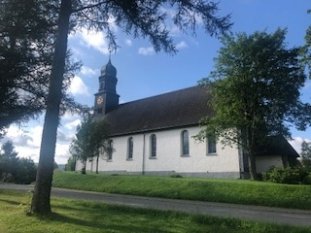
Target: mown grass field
216	190
89	217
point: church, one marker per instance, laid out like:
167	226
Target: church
156	135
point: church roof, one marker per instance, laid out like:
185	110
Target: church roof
175	109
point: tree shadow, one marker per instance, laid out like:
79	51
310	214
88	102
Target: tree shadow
104	225
12	202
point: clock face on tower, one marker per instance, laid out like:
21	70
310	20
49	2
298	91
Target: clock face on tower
99	100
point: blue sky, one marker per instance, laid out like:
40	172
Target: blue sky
143	73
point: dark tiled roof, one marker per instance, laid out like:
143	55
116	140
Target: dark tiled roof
277	145
180	108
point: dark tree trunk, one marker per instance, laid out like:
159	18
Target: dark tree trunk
252	165
83	170
97	158
249	152
41	197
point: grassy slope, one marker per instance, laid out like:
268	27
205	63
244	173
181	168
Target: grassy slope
229	191
80	216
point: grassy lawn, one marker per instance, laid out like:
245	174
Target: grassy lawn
217	190
90	217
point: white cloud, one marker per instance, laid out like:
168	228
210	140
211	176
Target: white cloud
77	87
112	23
129	42
296	143
27	141
146	51
94	40
72	124
181	45
88	70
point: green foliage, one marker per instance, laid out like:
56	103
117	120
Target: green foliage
189	188
26	171
295	175
91	140
254	91
307	49
25	68
71	164
72	216
14	169
306	154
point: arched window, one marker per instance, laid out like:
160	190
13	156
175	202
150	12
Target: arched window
153	146
211	144
130	148
184	142
110	149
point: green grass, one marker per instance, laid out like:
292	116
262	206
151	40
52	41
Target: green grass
89	217
216	190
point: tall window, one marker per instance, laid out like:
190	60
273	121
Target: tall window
130	148
211	144
153	146
185	142
110	149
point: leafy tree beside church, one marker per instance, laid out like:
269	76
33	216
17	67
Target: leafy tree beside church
91	141
254	91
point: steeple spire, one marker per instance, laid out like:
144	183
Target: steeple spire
107	98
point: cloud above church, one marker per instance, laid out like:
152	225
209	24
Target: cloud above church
93	39
181	45
88	71
146	51
78	87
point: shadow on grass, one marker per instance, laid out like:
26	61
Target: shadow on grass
108	225
11	202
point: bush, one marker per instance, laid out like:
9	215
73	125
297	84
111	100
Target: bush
289	175
22	171
307	179
26	171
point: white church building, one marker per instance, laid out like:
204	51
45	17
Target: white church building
155	135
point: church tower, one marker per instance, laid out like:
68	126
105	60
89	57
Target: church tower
106	98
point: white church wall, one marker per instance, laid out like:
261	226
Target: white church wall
169	156
168	159
263	163
119	161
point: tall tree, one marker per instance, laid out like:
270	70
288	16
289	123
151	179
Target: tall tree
101	144
81	146
92	140
136	17
254	91
307	48
27	36
8	161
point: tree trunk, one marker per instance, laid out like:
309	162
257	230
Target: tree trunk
97	158
83	170
252	165
41	197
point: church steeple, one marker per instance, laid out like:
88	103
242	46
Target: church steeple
106	98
